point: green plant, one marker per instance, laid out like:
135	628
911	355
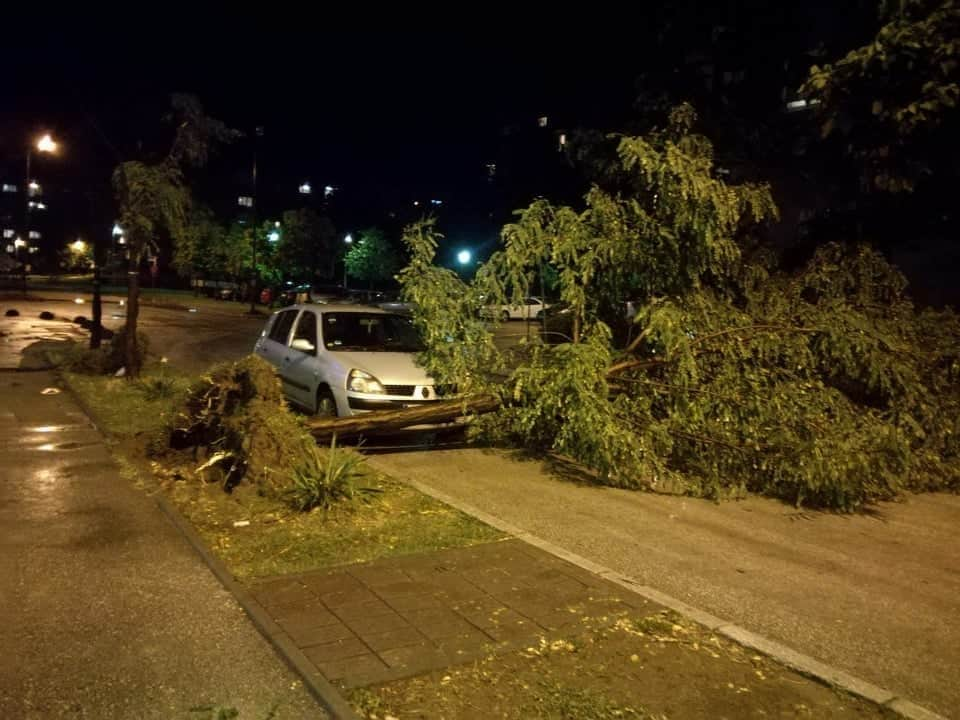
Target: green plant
323	479
822	386
159	386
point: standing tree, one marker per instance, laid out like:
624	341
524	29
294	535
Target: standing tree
194	255
307	245
372	257
894	101
153	198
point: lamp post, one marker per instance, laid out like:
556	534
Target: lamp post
43	144
349	241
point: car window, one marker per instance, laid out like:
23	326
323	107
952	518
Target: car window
281	326
306	328
370	332
532	301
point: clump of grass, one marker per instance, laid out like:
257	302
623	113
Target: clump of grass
323	479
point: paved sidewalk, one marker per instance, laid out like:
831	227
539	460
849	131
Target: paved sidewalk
105	610
373	623
876	595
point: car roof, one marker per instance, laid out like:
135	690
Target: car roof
338	307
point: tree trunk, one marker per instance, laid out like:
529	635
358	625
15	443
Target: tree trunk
96	329
132	351
429	413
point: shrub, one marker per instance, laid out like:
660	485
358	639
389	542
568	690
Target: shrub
323	478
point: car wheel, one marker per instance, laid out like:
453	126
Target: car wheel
326	404
505	316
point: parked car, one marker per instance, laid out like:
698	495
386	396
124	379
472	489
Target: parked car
531	308
346	359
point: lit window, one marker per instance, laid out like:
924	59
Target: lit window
563	141
436	202
245	201
9	188
34	235
491	169
7	233
542	121
328	190
305	189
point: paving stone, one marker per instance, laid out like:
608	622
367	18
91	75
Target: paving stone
519	632
375	576
416	658
500	617
336	650
323	583
343	598
377	624
431	616
293	618
321	635
351	669
391	639
371	608
447	628
285	595
405	588
405	603
466	646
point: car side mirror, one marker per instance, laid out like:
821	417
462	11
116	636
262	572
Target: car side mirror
303	345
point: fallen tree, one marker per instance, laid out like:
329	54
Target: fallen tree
822	386
385	420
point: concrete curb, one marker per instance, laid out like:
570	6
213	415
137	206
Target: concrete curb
804	664
328	696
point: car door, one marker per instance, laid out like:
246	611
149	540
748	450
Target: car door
299	367
272	347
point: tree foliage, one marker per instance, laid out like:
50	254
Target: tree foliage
154	199
822	387
371	257
307	245
894	100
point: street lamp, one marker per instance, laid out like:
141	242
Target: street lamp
78	245
349	241
463	257
47	144
43	144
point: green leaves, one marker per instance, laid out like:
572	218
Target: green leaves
371	257
821	387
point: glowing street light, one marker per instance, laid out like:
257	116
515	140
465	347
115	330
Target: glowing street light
19	243
47	144
348	239
274	236
463	257
117	230
78	245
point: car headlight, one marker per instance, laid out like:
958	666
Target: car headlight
363	382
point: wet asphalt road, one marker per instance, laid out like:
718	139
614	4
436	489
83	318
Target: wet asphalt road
105	610
192	341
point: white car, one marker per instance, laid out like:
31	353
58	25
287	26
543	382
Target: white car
530	309
346	359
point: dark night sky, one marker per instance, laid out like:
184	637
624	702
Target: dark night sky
387	116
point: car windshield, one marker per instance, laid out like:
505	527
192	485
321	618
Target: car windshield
369	332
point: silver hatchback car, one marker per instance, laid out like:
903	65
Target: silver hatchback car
346	359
